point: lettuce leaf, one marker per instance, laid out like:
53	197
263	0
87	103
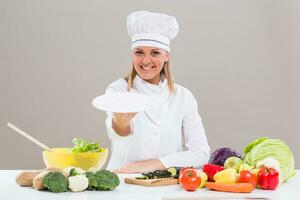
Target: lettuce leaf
81	146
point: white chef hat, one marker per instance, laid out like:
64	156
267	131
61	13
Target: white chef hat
151	29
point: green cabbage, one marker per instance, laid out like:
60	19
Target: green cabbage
264	147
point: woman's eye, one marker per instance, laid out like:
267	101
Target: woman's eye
155	53
138	52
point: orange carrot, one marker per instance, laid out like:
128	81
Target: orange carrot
235	187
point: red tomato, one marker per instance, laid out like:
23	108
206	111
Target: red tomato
246	176
189	179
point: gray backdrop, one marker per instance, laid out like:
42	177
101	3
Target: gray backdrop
239	58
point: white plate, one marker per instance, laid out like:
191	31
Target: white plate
124	102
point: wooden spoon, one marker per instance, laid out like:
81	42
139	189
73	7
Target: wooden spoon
32	139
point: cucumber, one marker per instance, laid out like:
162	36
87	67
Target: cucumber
141	177
175	171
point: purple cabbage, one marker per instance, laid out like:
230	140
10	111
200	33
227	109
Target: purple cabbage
219	156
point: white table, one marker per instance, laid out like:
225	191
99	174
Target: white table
10	190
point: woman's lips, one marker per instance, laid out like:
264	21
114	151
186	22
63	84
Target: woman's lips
147	68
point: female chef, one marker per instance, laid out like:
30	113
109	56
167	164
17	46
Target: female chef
172	133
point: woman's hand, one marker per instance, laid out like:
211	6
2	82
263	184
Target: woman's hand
141	166
121	123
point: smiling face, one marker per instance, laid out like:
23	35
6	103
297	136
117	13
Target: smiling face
148	62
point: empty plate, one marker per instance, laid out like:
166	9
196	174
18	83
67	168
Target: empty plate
125	102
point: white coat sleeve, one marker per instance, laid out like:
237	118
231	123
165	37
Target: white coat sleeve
116	87
197	149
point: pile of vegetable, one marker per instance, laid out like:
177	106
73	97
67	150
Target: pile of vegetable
265	165
72	178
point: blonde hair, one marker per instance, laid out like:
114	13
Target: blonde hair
165	72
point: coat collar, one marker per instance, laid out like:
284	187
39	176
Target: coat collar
145	87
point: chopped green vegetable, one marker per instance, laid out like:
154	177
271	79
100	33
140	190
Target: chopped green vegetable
155	174
102	180
263	148
81	146
55	182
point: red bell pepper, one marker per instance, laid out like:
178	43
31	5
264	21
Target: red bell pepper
211	170
268	178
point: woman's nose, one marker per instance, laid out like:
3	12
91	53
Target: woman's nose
146	60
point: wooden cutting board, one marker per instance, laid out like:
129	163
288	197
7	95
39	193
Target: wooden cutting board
152	182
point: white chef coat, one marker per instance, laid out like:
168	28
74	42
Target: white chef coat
158	133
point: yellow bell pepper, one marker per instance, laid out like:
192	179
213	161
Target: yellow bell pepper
226	176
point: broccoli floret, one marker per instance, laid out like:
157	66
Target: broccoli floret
55	182
89	173
102	180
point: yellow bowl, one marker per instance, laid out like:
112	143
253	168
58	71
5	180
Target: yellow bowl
63	157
